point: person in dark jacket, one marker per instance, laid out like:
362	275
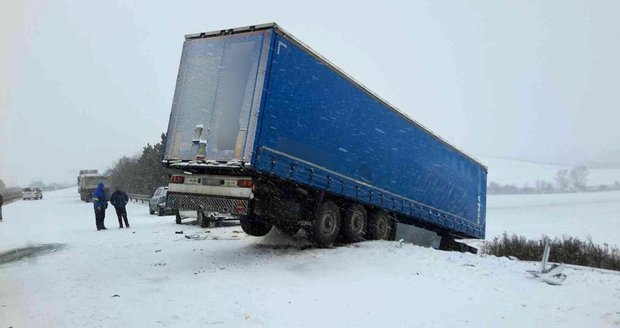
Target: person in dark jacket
100	202
119	200
1	202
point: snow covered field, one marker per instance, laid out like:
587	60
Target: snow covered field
163	279
520	173
592	214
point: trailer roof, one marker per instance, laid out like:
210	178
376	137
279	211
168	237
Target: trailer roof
277	28
94	175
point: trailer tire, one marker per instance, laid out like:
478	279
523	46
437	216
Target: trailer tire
379	226
254	226
326	225
354	223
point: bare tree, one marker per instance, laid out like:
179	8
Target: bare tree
579	177
562	179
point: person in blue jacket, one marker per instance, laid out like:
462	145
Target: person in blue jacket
100	202
119	200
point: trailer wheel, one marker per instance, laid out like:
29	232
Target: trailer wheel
354	223
254	226
379	226
326	224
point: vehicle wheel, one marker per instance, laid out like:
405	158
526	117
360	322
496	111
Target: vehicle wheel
254	226
354	223
326	224
379	226
160	211
151	212
289	228
178	218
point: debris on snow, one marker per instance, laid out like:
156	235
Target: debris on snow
196	237
552	275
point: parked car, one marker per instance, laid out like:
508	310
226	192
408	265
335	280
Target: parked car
158	202
32	193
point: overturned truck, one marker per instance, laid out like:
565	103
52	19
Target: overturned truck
265	129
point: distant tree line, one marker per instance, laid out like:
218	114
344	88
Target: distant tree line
52	186
37	184
572	180
143	173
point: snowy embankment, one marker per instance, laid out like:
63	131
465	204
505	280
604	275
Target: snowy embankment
149	276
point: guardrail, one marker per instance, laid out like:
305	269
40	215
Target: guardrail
11	197
139	198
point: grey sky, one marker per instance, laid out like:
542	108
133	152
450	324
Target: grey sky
84	83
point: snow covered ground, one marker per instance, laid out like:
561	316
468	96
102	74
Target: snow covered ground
227	279
592	214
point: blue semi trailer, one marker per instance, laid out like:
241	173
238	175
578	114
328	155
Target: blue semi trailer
264	128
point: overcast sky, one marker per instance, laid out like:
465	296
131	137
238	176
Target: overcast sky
83	83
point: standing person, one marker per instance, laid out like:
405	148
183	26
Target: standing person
100	202
1	202
119	199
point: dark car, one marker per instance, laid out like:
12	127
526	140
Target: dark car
158	202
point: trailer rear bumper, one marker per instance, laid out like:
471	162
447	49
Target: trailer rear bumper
208	203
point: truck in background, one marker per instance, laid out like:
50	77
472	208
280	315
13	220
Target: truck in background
87	183
264	128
